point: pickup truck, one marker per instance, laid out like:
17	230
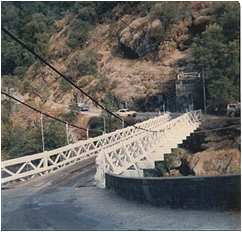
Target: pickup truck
126	113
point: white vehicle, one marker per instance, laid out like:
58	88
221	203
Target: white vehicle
126	113
233	109
83	107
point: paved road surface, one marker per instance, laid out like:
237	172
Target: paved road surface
140	116
69	200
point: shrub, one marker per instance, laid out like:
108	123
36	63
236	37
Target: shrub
82	63
170	12
64	85
19	141
87	63
78	33
70	116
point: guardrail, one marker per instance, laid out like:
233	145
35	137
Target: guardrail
43	163
193	192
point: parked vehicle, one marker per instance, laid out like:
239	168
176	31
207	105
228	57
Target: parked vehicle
233	109
83	107
126	113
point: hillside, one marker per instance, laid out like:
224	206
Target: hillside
118	52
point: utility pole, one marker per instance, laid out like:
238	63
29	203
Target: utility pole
204	92
192	104
87	132
67	133
104	124
122	123
109	123
9	103
42	132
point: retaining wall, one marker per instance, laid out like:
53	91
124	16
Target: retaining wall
180	192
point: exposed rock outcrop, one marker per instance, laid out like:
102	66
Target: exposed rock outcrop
215	163
206	163
140	35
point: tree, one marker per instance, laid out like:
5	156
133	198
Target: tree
214	52
230	20
55	135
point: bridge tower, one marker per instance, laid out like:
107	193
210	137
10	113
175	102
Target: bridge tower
188	91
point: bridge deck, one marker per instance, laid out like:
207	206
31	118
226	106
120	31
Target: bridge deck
68	200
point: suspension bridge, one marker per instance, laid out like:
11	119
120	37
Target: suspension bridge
123	152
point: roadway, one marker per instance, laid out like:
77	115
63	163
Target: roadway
140	116
69	200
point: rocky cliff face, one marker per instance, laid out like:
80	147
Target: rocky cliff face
215	163
139	36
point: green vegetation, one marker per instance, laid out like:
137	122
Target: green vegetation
170	13
87	63
111	102
70	116
33	22
18	140
28	21
217	52
82	63
96	127
64	85
78	33
55	134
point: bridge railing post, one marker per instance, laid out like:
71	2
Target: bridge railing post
104	125
87	132
122	123
42	132
45	162
67	134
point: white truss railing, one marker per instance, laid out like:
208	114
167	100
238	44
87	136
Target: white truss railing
145	146
43	163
